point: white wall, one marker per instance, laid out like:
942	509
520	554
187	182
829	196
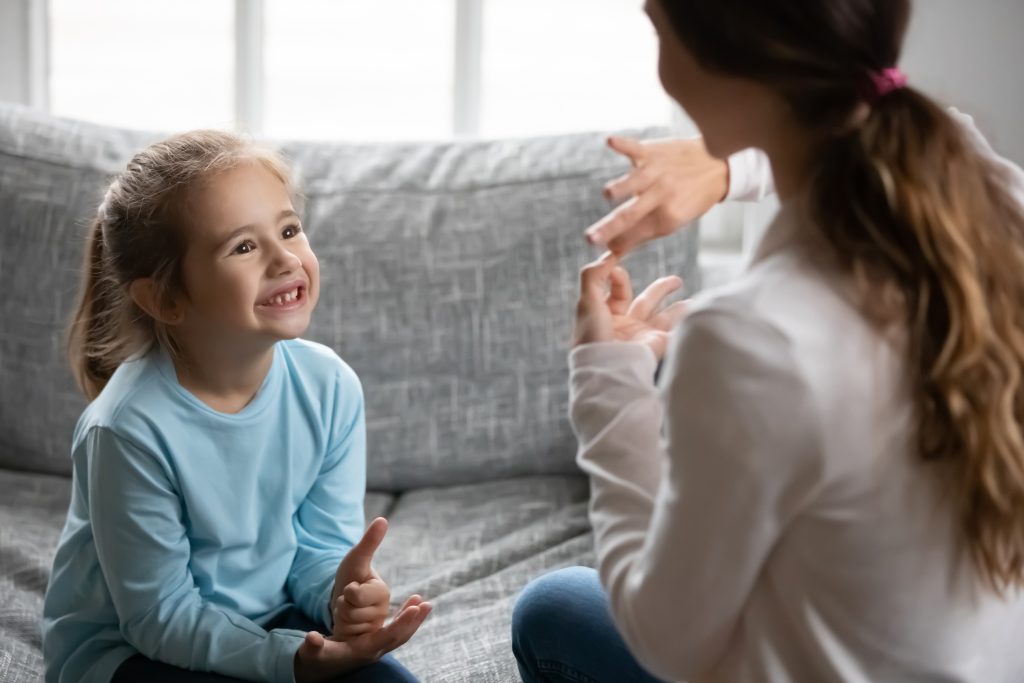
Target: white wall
23	52
13	52
970	54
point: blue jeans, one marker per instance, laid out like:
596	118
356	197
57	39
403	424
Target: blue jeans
562	630
139	668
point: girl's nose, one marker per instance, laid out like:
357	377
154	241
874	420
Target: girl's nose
283	261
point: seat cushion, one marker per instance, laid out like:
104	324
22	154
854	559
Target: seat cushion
32	512
469	549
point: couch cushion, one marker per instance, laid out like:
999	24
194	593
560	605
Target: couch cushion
32	512
468	549
449	281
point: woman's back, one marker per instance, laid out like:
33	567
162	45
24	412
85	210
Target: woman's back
868	579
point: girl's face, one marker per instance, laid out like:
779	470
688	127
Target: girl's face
249	271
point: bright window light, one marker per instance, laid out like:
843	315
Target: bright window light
157	65
359	69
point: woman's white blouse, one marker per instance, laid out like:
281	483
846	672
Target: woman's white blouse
760	513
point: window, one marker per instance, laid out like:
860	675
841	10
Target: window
569	65
364	69
159	64
357	69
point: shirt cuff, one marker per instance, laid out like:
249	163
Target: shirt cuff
287	643
748	171
325	605
604	354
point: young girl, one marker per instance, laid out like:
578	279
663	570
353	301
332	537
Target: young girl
219	471
838	493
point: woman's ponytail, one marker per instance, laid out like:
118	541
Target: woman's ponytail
931	232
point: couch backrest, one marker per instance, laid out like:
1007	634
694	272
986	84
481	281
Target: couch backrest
449	278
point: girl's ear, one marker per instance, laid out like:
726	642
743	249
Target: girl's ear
144	294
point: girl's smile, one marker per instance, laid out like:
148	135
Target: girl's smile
284	299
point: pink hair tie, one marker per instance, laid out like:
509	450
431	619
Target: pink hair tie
885	81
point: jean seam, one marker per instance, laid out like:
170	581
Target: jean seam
564	670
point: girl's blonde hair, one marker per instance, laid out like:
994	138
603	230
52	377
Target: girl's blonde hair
138	233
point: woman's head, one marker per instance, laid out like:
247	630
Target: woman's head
924	224
742	68
197	238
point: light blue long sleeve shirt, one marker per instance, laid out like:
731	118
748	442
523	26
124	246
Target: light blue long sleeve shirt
189	528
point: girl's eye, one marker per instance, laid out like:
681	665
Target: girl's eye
244	247
291	231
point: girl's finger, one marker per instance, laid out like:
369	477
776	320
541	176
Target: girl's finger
359	615
623	218
353	630
621	293
398	631
668	318
633	183
402	628
411	601
650	299
372	592
312	646
634	149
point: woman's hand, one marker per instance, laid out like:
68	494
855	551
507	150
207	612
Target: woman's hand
672	183
321	659
607	310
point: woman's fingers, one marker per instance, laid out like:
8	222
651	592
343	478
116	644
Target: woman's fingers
594	277
628	147
620	295
635	182
672	314
622	219
650	299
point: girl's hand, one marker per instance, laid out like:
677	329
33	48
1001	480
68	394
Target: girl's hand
607	310
360	599
321	659
672	183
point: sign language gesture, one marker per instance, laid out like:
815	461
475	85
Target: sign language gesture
360	636
607	310
672	182
360	600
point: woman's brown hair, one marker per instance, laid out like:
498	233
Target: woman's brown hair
926	225
137	233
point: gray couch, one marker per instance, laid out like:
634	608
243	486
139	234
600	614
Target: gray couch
449	280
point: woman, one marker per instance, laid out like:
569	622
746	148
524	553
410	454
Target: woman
828	484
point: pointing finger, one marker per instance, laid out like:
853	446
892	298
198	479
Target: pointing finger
628	147
357	563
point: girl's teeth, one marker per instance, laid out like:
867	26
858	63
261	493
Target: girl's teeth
284	298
